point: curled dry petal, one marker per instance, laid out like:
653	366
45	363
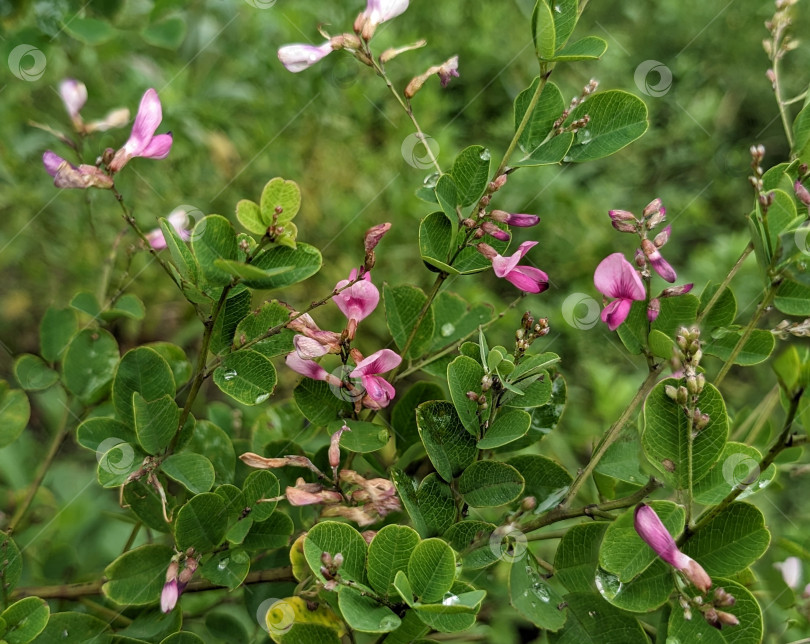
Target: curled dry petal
374	235
67	175
254	460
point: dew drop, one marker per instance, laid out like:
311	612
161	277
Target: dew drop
557	8
431	180
222	565
230	374
389	623
447	329
584	137
261	398
485	155
64	634
450	600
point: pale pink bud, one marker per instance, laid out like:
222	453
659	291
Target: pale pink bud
675	291
115	118
374	235
487	251
653	309
298	57
802	193
334	447
493	231
169	596
301	497
662	237
621	215
658	262
652	208
74	96
307	348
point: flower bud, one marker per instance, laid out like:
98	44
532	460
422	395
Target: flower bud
727	619
624	227
723	598
662	237
487	251
653	309
675	291
334	447
671	392
621	215
493	231
802	193
652	208
528	504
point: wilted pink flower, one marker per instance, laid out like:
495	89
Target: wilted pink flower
360	299
352	513
299	496
306	325
378	389
74	96
67	175
142	141
374	235
180	221
334	448
298	57
662	237
526	278
655	534
447	70
615	277
657	260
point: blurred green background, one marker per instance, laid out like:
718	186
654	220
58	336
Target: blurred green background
239	118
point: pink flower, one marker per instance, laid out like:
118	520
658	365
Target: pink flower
657	260
307	348
448	70
180	221
142	141
308	368
378	389
615	277
169	596
378	11
67	175
74	96
360	299
306	325
298	57
526	278
655	534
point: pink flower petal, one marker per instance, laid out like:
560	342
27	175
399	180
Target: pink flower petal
503	265
616	277
379	389
379	362
306	368
74	96
149	116
298	57
528	279
158	148
359	300
616	312
655	534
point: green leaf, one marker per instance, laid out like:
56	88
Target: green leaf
156	422
624	553
94	432
214	238
455	319
406	489
257	323
15	410
469	260
80	629
300	262
86	303
201	523
801	135
193	471
464	374
591	620
431	570
746	609
402	307
261	484
738	467
490	484
320	403
280	200
462	534
464	603
24	620
365	614
436	235
388	553
731	541
403	587
436	504
182	257
11	567
127	306
788	369
643	594
566	15
577	555
237	306
446	195
275	532
403	416
792	298
546	480
137	576
334	537
249	271
782	215
470	172
533	597
549	107
757	347
449	446
543	31
144	371
33	374
664	438
364	437
90	31
246	376
249	215
617	118
55	331
508	426
89	363
588	48
551	152
168	34
536	392
227	568
724	310
176	358
183	637
225	627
